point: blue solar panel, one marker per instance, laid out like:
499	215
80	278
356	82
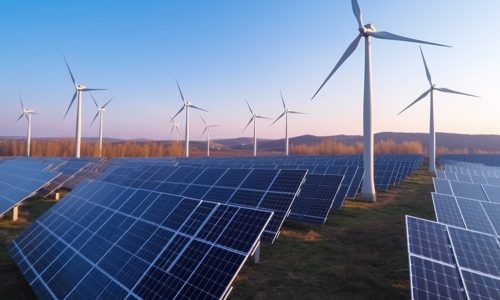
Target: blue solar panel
480	286
428	239
442	186
316	198
474	216
92	246
492	192
447	210
468	190
493	212
434	280
476	251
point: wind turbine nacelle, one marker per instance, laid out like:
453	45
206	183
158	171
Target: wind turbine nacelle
367	28
80	87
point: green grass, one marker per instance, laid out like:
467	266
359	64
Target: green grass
12	283
360	253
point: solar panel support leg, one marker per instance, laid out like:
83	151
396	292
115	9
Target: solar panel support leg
57	196
15	213
256	254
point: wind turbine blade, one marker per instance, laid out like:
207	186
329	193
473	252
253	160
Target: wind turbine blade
90	89
357	12
426	68
177	129
95	102
251	111
172	129
196	107
283	100
249	122
22	104
262	117
204	122
93	120
445	90
344	57
106	104
180	110
205	130
390	36
418	99
70	73
281	116
297	112
71	103
179	88
22	115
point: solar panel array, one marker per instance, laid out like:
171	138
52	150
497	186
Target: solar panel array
266	189
19	180
108	241
448	262
458	257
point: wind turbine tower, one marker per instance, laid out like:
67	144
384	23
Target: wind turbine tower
185	106
432	132
285	113
252	119
79	90
100	114
367	32
27	113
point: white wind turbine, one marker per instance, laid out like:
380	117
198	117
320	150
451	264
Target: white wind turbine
432	132
27	113
208	130
285	113
367	31
186	105
252	119
100	114
79	90
175	126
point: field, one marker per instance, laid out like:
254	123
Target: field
360	253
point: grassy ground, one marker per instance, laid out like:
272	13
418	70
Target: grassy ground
360	253
12	283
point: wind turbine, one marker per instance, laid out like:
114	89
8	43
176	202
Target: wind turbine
175	126
185	106
79	90
432	133
252	119
208	129
27	113
100	114
285	113
367	31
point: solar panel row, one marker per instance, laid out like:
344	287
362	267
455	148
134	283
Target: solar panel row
107	241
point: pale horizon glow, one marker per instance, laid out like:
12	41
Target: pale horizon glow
225	51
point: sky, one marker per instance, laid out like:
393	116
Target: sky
224	51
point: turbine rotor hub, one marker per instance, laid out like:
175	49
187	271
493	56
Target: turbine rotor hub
366	29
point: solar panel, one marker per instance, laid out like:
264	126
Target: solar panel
474	216
442	186
447	210
480	286
476	251
428	239
316	198
493	212
17	184
492	192
434	280
96	243
468	190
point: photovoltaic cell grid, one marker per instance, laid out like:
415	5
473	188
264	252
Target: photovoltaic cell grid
67	170
107	241
17	184
475	257
316	198
265	189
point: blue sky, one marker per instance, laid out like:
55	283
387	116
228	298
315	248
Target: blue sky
224	51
